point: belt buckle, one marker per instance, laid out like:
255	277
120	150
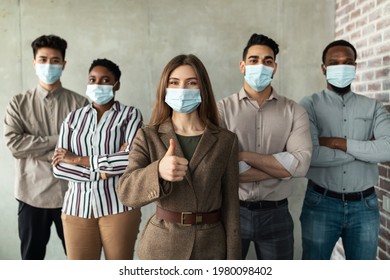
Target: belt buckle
182	218
198	219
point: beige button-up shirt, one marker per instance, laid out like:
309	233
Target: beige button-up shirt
280	127
31	126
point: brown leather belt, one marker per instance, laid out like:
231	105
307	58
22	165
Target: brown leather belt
188	218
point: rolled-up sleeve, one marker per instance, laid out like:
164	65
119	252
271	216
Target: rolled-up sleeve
296	158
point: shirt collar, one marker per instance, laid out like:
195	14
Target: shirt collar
344	97
44	93
242	95
115	107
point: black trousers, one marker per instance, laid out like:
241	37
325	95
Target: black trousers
34	230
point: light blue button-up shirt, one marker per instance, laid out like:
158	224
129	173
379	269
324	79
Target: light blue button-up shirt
364	122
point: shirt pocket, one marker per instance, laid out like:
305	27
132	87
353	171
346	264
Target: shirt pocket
362	128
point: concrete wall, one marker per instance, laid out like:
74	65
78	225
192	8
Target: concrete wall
142	36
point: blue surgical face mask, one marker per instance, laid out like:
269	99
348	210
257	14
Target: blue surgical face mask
100	94
341	75
258	76
48	73
183	100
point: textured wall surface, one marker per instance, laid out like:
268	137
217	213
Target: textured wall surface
142	36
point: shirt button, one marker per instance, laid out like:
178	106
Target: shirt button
345	172
345	120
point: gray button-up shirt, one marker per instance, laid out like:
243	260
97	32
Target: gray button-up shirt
31	126
364	122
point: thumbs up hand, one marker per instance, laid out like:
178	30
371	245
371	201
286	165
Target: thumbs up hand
172	168
171	148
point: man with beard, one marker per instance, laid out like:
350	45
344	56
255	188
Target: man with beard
350	134
274	148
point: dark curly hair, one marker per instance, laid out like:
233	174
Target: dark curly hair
111	66
338	43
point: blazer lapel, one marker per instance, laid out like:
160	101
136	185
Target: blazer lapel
166	133
205	144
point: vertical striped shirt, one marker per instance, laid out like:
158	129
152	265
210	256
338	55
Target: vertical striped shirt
82	135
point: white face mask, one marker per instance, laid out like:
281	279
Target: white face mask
48	73
100	94
258	76
183	100
341	75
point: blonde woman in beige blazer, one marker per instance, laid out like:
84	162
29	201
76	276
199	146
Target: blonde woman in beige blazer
185	163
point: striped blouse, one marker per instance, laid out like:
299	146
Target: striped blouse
82	135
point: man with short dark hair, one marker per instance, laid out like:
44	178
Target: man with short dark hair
31	126
350	134
275	146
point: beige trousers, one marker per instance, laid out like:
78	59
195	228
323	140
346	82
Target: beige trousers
115	234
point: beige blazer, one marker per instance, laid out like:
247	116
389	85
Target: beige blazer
211	183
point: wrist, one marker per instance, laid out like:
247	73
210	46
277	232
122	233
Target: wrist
241	156
340	144
335	144
77	160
